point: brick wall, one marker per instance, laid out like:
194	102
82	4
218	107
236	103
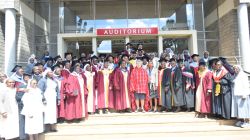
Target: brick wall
25	39
228	29
2	28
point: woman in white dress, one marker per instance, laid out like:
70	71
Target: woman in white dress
241	98
33	110
50	93
9	111
3	78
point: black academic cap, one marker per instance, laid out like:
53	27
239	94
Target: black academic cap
223	59
38	64
55	58
85	63
172	59
180	61
140	50
94	57
74	62
194	55
49	59
124	55
162	60
16	68
129	44
66	61
139	58
110	56
202	63
102	55
67	53
81	58
54	67
145	57
26	74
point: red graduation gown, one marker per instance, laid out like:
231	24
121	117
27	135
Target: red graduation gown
205	105
104	89
120	90
65	73
73	104
61	107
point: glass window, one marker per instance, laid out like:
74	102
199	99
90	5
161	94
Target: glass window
78	16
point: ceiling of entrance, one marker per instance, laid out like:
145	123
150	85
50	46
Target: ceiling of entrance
116	9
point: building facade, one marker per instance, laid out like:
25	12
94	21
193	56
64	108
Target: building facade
33	26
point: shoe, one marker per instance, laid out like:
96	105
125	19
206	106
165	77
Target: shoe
143	111
177	110
245	125
53	130
238	124
137	110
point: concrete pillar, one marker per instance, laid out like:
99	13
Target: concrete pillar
192	43
10	40
94	45
127	39
61	46
243	26
160	45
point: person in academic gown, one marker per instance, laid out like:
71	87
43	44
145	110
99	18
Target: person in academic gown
161	88
194	66
50	92
91	86
104	87
121	87
172	80
222	96
9	111
76	96
66	70
188	85
204	91
33	109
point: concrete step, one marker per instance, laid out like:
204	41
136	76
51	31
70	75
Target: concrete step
149	126
182	132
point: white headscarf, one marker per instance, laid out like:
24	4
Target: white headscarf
46	72
85	67
241	83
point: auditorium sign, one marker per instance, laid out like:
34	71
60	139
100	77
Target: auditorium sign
126	31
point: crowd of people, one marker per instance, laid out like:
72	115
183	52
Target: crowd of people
51	90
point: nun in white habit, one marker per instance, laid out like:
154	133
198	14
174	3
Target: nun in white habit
241	98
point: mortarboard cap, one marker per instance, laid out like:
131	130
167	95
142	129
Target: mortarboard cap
145	57
94	57
180	61
55	58
194	55
162	60
27	74
124	55
139	58
202	63
67	53
16	68
172	59
38	64
49	59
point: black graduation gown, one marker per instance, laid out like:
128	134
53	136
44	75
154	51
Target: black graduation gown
173	82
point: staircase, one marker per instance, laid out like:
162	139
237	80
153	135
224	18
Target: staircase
149	126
